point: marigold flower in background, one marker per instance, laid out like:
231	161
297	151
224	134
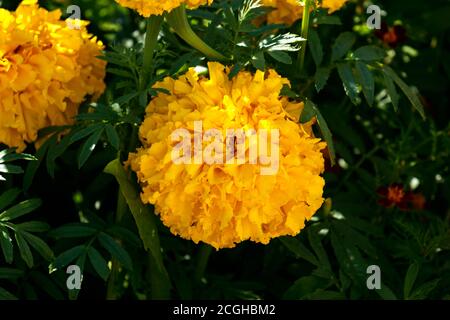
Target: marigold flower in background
46	71
395	195
289	11
149	8
224	204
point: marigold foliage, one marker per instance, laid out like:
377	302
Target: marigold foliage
148	8
224	204
289	11
46	70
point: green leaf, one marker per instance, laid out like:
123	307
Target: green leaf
349	82
366	80
281	56
6	244
78	230
33	166
120	72
68	256
127	98
10	168
321	78
20	209
304	286
410	278
410	94
6	295
391	90
299	249
8	197
9	273
24	250
83	133
17	156
311	110
342	45
315	47
369	53
115	250
258	61
424	290
112	136
39	245
33	226
44	282
316	244
88	147
386	293
99	263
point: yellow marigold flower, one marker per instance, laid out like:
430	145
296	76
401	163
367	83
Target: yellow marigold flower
46	71
148	8
224	204
289	11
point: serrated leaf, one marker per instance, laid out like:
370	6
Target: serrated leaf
424	290
366	80
321	78
349	82
24	249
315	46
73	231
20	209
304	286
319	250
299	250
6	295
112	136
410	279
68	256
115	250
127	98
10	168
412	96
121	73
33	166
33	226
88	147
342	45
99	263
39	245
391	90
369	53
10	273
258	60
281	56
310	111
7	245
8	197
83	133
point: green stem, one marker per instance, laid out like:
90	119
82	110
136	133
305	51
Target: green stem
177	19
111	292
304	34
202	261
151	41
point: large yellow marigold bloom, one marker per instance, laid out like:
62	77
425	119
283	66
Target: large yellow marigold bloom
224	204
148	8
46	71
289	11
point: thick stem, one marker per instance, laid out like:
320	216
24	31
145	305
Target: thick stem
304	34
202	261
178	21
151	41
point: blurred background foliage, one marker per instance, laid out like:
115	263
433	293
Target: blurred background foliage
388	196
